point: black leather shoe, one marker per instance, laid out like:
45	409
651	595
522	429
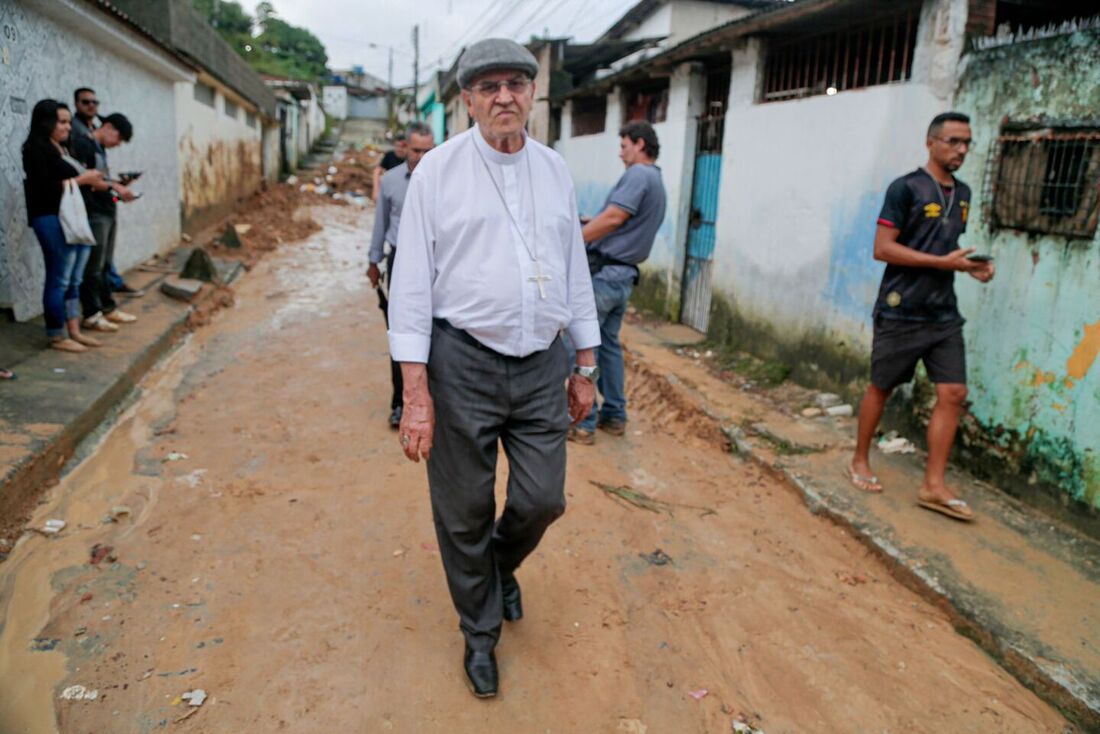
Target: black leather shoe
513	602
481	673
395	417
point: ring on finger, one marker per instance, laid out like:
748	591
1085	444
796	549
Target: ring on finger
405	440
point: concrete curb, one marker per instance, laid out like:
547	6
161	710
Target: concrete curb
22	481
1050	681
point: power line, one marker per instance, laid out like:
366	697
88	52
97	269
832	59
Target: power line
543	11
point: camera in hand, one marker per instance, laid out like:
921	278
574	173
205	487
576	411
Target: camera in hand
127	176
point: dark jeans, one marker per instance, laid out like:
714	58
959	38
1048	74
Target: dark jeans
398	399
114	278
95	292
64	271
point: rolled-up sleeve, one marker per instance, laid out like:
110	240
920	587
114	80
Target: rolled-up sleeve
584	329
410	308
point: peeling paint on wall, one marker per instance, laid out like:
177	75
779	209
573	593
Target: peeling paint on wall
1033	334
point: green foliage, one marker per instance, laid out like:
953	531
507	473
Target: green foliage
269	44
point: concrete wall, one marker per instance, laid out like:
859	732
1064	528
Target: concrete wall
368	108
802	185
51	47
594	162
272	164
1034	333
334	99
691	17
221	158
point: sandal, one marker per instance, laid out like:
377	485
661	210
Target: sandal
68	345
866	483
954	508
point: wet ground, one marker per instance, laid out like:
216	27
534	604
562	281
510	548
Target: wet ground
278	553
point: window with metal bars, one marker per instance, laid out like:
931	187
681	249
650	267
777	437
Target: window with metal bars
879	51
1045	181
589	115
648	103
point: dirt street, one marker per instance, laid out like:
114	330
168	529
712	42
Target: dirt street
279	554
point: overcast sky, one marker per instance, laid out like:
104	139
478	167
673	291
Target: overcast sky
346	27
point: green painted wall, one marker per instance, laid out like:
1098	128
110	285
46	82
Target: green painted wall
1034	333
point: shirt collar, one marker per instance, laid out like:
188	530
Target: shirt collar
494	155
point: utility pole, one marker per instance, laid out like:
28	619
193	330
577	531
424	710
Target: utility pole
416	71
389	92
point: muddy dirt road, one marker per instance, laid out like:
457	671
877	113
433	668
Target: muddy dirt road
280	555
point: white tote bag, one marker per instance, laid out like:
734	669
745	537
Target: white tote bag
73	215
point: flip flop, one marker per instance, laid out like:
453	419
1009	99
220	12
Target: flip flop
866	483
954	508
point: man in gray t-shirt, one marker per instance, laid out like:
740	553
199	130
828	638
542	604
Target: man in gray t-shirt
619	238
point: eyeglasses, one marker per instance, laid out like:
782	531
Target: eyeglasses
957	142
89	101
516	87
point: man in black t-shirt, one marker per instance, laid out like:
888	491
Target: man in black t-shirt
915	317
392	159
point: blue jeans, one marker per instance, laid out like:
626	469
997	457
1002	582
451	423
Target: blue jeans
612	297
65	265
114	278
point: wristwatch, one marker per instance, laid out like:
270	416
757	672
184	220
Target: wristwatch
589	373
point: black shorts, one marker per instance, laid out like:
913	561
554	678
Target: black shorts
899	345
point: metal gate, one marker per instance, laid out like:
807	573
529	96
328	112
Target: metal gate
695	300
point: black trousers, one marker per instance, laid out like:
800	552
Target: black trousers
397	399
482	398
95	289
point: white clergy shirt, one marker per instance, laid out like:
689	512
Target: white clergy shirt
460	256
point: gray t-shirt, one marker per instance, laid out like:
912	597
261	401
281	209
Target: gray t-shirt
640	192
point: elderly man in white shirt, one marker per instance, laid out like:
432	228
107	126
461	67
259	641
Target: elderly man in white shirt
487	276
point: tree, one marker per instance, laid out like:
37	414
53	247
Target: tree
268	43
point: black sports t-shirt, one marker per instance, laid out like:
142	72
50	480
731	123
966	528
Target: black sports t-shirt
917	205
390	160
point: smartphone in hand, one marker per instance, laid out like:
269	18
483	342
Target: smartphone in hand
979	258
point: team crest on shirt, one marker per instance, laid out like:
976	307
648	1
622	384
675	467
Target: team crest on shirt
965	207
932	211
893	299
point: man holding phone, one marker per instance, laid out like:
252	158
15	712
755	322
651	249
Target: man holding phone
916	318
101	312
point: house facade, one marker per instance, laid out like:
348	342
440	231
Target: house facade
50	48
781	130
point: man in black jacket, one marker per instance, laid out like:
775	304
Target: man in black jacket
101	313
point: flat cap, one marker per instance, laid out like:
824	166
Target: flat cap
495	54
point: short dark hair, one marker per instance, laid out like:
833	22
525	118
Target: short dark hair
642	130
418	128
937	122
118	121
81	90
399	137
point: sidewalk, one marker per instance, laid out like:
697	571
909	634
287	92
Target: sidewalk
1022	586
59	398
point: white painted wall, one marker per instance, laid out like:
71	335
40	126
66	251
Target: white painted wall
594	163
334	98
803	182
692	17
51	48
221	158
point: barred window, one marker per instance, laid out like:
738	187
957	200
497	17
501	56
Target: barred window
231	109
204	93
1045	181
648	103
589	115
878	51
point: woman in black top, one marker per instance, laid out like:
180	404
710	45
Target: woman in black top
47	166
